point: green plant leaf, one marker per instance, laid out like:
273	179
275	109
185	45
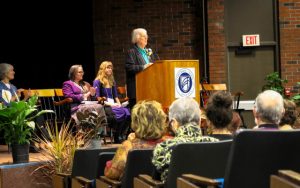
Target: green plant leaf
31	124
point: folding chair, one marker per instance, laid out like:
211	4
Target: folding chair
45	102
62	106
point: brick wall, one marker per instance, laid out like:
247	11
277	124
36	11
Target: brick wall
289	20
216	41
174	28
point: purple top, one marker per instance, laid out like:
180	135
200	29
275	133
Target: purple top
105	92
70	90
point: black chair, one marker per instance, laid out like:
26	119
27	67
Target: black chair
102	159
197	158
256	154
138	162
85	162
85	168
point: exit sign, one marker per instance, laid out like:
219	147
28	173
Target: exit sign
251	40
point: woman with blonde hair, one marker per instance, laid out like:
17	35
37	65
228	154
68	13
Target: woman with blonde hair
149	126
106	88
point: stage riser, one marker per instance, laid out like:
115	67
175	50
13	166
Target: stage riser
21	175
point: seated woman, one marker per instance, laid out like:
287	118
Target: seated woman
290	115
149	126
219	115
9	92
106	89
184	120
81	92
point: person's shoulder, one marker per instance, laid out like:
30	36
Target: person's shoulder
206	139
133	49
168	143
96	81
67	82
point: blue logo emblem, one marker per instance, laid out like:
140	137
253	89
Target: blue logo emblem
185	82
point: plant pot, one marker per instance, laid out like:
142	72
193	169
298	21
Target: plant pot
94	144
20	153
61	181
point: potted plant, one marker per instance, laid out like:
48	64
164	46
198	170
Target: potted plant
58	145
274	82
17	123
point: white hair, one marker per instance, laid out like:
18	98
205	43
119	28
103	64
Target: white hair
137	33
185	110
269	106
4	69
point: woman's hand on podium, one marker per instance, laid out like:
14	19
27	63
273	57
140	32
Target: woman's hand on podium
147	65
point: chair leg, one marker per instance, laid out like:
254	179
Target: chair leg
242	118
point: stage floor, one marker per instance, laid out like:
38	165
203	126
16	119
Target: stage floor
6	156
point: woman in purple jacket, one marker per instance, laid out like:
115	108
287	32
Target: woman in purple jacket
83	95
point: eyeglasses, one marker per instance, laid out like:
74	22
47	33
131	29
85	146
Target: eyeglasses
81	72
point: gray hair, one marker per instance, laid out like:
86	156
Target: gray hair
185	110
4	69
137	33
73	70
269	106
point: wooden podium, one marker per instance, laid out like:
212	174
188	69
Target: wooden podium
157	82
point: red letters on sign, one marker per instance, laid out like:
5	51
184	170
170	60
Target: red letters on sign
251	40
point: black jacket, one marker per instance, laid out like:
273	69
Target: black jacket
134	64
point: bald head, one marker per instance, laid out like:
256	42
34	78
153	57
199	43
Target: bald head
269	107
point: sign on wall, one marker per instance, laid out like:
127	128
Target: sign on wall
251	40
184	82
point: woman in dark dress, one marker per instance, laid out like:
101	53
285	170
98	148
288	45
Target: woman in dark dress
107	89
219	115
138	58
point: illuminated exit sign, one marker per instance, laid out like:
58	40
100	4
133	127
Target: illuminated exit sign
251	40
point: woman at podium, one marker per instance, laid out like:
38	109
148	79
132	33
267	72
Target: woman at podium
138	58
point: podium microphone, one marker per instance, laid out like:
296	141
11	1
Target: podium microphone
155	55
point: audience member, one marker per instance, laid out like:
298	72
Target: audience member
149	126
219	114
268	110
138	58
184	119
236	123
107	89
9	92
290	115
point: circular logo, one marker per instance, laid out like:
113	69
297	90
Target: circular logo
184	82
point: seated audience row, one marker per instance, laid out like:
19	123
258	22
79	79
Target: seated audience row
184	119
